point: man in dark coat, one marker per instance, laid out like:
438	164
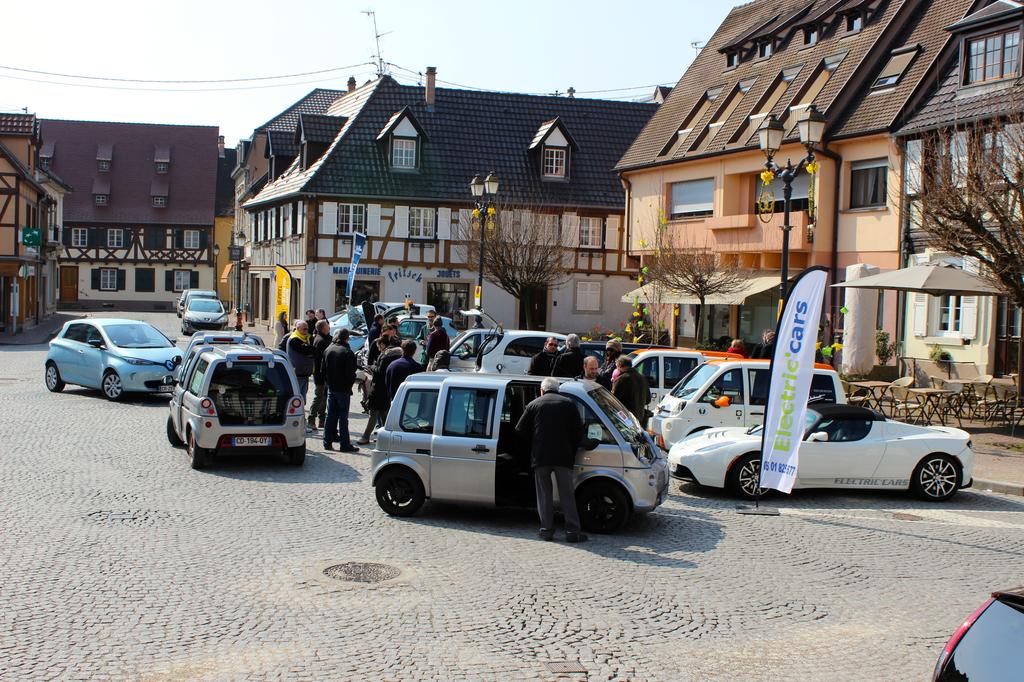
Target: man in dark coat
321	341
374	330
437	340
339	374
592	372
765	349
552	425
402	368
378	402
543	362
569	362
631	389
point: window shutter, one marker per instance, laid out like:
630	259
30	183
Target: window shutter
329	218
179	238
920	314
95	273
96	236
121	280
968	317
401	224
611	233
204	238
169	280
570	229
193	279
299	219
65	236
373	220
444	223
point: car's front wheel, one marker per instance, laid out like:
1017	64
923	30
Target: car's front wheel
172	436
936	478
399	492
111	385
603	507
744	476
54	383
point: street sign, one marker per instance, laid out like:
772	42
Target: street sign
476	296
235	253
30	236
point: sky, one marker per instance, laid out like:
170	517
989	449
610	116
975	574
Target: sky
521	46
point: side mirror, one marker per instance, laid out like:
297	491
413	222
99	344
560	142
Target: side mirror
818	437
177	360
590	443
95	343
724	401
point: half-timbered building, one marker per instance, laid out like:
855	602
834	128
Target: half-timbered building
138	226
394	162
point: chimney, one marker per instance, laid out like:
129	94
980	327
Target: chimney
351	83
571	92
431	80
220	146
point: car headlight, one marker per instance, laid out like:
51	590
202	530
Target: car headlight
136	361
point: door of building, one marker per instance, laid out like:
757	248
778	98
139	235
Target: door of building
68	283
534	302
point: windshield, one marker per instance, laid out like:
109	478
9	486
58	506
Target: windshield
195	295
350	319
692	382
205	305
624	422
810	420
136	335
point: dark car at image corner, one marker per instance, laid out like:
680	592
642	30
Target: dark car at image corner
989	645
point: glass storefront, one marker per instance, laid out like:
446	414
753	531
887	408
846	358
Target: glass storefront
758	313
449	298
362	290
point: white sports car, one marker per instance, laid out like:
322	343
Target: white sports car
844	446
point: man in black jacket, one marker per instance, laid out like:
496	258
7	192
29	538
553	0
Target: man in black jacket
543	362
570	362
631	389
553	426
339	375
402	368
322	339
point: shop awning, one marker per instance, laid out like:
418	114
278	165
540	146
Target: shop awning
757	284
226	271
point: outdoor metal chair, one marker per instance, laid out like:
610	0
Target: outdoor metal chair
888	396
906	402
952	404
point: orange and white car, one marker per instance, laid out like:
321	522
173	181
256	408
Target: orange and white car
727	392
665	367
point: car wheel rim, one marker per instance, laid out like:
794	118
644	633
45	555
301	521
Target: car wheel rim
398	492
938	478
602	510
51	376
112	385
749	477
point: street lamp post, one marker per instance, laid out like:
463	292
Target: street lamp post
236	249
770	136
484	193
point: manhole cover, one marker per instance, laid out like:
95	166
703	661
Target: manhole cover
901	516
361	572
565	667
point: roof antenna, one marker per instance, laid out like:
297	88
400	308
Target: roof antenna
378	59
698	45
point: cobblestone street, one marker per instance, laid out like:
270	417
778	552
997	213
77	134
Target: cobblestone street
120	562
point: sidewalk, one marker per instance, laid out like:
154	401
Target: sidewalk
999	458
40	333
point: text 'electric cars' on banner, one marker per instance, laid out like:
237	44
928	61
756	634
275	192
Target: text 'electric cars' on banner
792	368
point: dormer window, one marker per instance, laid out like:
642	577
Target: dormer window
103	164
554	162
732	59
403	152
162	166
100	199
811	35
764	50
993	57
854	22
44	162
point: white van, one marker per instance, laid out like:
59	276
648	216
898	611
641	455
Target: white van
665	367
728	393
505	351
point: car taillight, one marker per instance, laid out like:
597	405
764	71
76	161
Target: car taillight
295	406
661	442
947	650
206	405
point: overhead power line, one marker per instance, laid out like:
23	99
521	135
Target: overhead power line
97	86
183	82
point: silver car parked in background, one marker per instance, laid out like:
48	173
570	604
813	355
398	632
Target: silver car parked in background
451	437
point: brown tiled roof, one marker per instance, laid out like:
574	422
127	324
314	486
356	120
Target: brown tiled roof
879	110
709	72
191	179
316	102
18	124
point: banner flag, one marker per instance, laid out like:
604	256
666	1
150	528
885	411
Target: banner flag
791	369
283	294
358	244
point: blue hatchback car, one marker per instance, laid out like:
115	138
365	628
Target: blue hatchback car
117	356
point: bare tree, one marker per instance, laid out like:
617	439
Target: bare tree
697	270
965	185
525	249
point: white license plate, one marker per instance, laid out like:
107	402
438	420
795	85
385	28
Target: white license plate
250	441
166	388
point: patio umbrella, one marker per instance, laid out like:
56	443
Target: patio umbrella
937	280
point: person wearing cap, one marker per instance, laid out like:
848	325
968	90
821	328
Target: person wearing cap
569	362
612	351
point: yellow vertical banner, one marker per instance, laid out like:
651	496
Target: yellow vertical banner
283	293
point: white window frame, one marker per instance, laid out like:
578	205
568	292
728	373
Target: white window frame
554	162
701	209
101	199
351	218
764	50
179	275
811	36
115	243
591	230
103	164
108	279
954	305
587	301
403	152
188	242
421	223
868	165
159	201
77	232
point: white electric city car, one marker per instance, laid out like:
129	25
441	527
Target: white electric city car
844	446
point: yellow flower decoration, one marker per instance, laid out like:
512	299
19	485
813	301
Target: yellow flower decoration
636	339
813	167
628	329
767	177
640	279
492	212
643	243
476	212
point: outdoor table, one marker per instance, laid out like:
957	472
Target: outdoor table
930	400
875	389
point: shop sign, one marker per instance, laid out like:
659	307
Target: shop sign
405	273
369	270
449	274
